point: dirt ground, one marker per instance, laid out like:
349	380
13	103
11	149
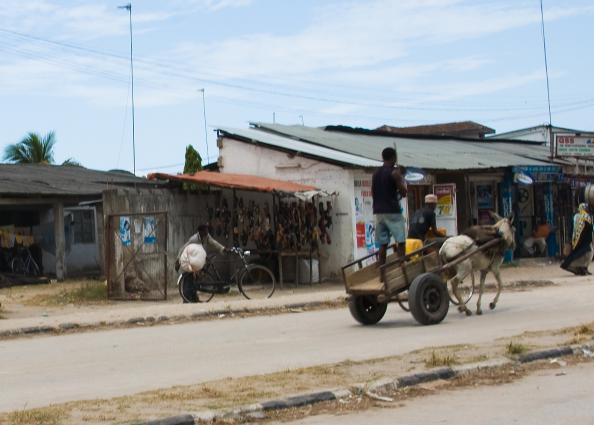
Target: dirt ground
231	392
75	296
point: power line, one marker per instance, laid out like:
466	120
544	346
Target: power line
168	69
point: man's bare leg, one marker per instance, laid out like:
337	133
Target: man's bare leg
382	253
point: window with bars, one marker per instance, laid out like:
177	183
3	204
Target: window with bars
83	226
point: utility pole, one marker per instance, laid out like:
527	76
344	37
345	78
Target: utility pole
205	129
544	46
128	7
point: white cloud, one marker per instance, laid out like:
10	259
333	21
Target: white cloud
363	46
75	21
364	34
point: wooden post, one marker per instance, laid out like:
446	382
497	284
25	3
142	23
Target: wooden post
60	241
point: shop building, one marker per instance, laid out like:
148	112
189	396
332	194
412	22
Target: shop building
470	177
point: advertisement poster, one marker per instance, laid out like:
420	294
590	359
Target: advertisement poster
149	231
446	213
125	231
360	226
484	196
445	199
364	220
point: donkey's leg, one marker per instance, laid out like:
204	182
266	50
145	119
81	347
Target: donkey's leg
499	286
481	289
463	270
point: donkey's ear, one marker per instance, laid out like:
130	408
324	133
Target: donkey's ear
511	218
495	216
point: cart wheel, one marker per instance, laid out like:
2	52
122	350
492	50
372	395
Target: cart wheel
366	310
428	299
466	290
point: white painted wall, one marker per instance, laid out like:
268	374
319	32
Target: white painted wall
245	158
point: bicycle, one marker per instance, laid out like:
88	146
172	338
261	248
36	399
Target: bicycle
23	263
253	281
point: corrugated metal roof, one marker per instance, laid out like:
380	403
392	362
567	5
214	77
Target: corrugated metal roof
442	154
55	180
236	181
537	133
288	143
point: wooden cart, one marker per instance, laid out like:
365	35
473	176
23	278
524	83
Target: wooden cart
417	281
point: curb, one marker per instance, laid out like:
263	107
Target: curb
140	321
257	410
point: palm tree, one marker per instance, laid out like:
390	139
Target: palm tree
33	149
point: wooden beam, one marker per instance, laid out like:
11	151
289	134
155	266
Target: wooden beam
60	241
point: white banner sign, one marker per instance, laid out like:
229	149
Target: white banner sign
571	145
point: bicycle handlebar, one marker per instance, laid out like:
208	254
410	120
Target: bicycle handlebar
238	251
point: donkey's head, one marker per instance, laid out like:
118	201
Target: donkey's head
506	229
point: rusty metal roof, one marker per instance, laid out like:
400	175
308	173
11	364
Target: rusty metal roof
236	181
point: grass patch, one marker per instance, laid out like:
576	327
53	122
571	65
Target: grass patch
437	360
85	293
515	349
582	333
584	330
43	416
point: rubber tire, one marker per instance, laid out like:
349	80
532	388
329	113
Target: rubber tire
17	266
244	287
34	269
428	299
185	285
366	310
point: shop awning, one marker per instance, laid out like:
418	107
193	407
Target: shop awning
243	182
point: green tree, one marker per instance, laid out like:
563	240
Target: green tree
193	161
193	164
35	149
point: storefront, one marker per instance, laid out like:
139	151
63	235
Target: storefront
536	195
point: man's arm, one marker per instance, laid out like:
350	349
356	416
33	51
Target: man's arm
399	180
214	244
433	226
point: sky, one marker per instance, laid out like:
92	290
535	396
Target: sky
65	67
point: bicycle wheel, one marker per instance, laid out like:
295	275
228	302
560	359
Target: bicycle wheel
17	265
33	268
187	283
256	282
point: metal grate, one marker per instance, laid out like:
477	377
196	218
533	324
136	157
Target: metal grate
137	256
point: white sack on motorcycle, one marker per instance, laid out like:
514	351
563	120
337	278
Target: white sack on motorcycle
192	258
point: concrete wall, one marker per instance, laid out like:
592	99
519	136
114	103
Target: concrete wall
244	158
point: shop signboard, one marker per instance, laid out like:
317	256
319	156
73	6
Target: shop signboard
574	145
537	174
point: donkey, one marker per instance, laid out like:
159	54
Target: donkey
485	261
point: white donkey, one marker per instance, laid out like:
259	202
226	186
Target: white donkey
484	261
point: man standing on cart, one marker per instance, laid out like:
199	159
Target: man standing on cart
387	189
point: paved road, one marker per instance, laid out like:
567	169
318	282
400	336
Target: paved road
540	399
44	370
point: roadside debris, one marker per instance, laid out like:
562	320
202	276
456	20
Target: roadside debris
378	397
561	363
